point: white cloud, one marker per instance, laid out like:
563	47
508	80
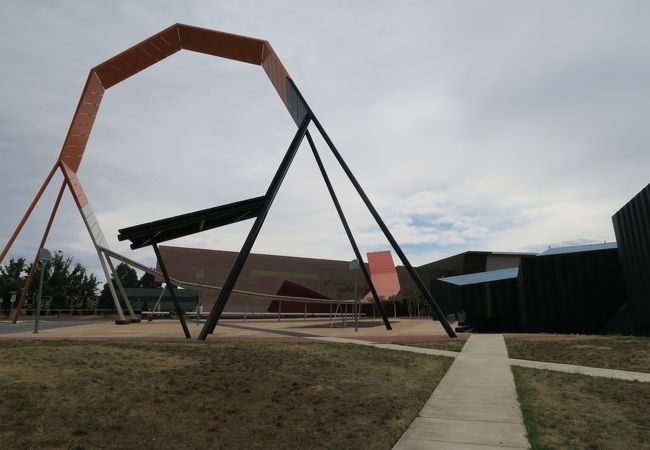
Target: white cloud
500	126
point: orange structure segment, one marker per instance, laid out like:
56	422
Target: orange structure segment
82	122
149	52
139	57
75	186
383	274
119	68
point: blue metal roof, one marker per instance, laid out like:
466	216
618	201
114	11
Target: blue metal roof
579	248
482	277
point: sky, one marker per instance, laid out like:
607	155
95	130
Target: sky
472	125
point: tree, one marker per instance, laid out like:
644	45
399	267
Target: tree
12	278
129	279
148	281
105	298
63	279
128	276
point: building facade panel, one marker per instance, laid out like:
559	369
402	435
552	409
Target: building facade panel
572	292
632	228
264	274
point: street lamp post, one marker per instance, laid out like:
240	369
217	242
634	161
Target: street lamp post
44	256
199	276
12	300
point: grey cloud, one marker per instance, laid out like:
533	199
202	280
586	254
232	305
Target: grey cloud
522	122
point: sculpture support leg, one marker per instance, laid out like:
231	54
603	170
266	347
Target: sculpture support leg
27	214
120	287
172	293
111	288
271	192
344	221
32	272
435	309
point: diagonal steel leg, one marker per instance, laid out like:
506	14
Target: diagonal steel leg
436	313
32	272
344	221
271	192
120	288
30	208
172	293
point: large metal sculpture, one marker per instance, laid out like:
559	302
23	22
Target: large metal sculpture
143	55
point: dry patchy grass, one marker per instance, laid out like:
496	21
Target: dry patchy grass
610	352
574	411
209	395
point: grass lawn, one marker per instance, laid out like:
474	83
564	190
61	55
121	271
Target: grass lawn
610	352
452	345
72	394
574	411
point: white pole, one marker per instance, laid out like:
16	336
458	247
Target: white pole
356	303
111	288
120	287
159	298
38	299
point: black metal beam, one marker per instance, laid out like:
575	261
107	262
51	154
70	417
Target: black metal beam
344	221
175	227
435	309
272	191
172	293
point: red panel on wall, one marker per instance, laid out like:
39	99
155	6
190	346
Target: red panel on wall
290	289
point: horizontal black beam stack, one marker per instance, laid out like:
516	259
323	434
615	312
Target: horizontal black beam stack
186	224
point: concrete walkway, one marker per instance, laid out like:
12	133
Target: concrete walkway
584	370
480	359
475	405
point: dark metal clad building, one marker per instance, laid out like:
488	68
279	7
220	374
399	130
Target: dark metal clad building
632	228
463	264
572	290
565	290
487	300
145	299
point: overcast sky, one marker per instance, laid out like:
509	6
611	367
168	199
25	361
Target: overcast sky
475	125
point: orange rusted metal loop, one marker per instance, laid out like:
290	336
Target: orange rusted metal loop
129	62
149	52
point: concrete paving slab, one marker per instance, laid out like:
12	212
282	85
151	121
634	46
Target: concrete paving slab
461	392
475	403
488	401
506	411
488	346
467	432
416	444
